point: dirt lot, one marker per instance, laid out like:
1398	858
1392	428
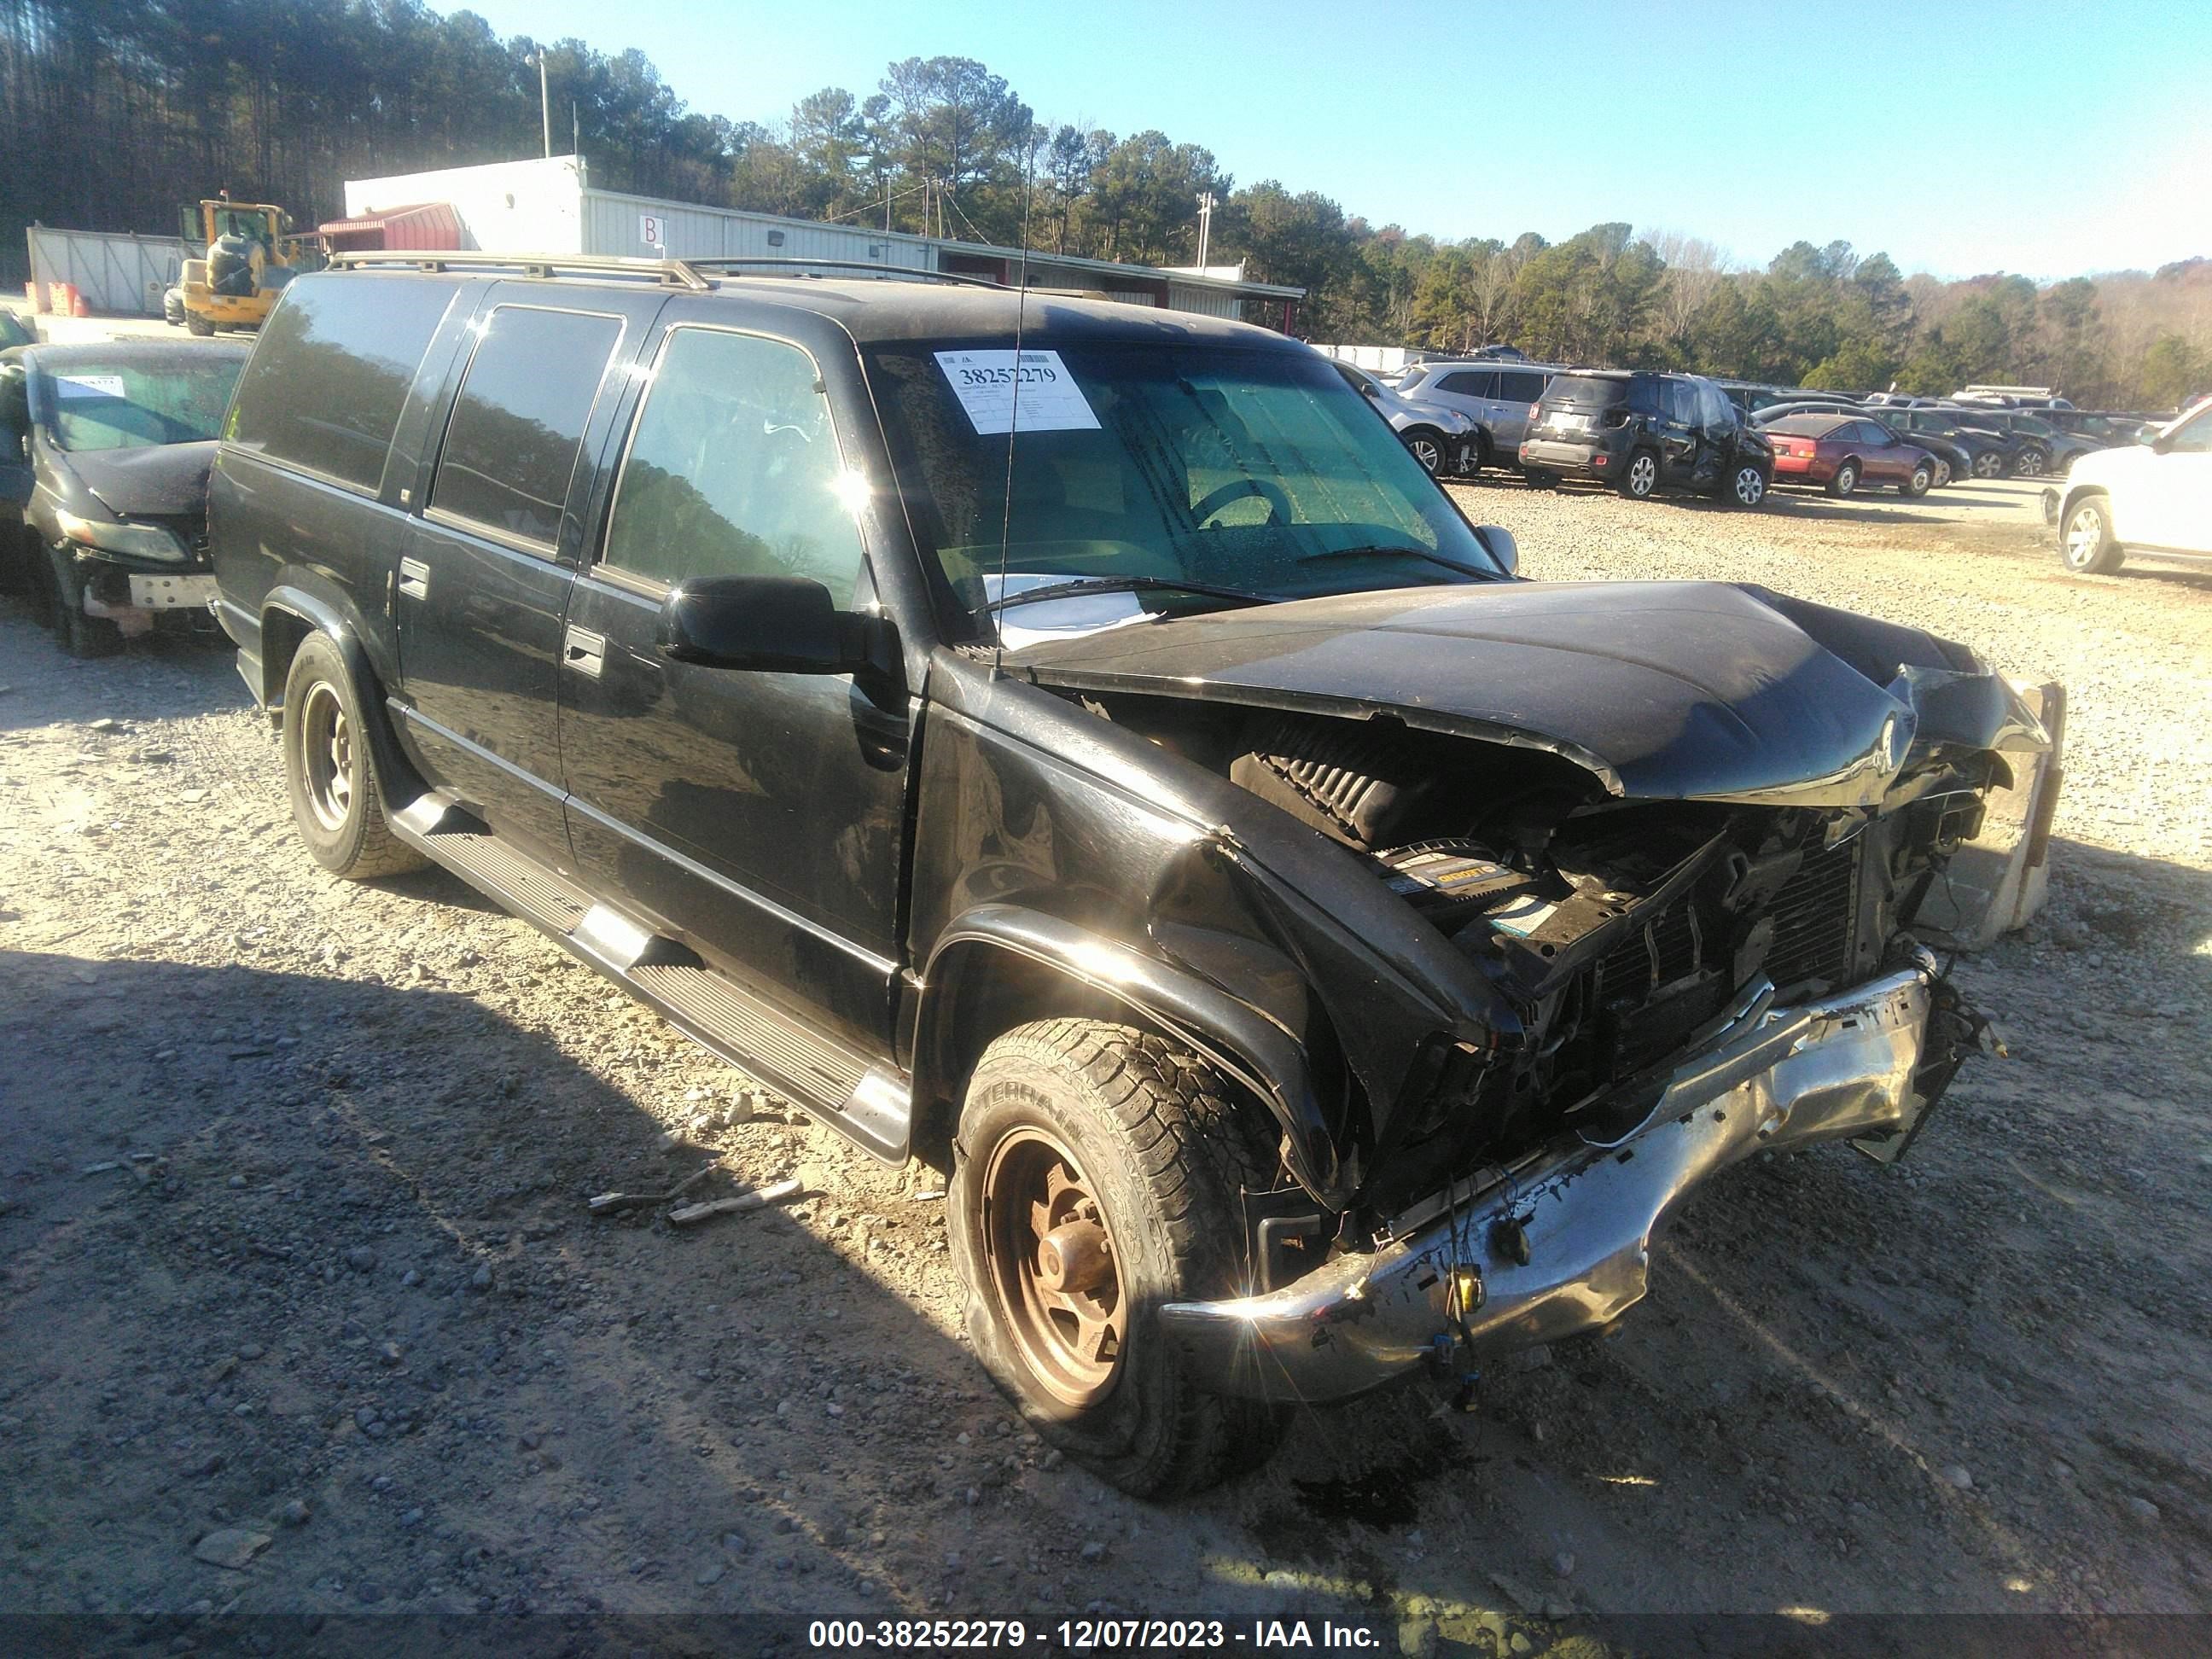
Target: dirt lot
292	1223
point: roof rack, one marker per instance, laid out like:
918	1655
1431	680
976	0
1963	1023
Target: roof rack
721	261
669	273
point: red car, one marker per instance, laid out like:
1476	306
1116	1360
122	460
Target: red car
1841	452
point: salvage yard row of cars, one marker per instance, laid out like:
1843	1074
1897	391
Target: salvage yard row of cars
1315	955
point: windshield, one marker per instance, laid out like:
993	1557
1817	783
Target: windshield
1260	472
134	405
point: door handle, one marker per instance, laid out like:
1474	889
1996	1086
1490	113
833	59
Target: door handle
414	579
584	651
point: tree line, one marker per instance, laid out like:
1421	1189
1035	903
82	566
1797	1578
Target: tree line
116	111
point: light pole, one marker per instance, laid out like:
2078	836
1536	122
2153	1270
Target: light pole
1206	206
545	109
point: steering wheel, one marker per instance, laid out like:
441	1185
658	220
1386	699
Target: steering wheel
1278	504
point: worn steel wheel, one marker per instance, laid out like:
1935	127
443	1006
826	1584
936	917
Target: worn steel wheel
1097	1172
1845	481
1051	1260
330	771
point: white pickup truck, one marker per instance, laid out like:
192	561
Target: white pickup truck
2154	497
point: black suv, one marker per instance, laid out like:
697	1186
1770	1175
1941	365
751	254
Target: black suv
1077	746
1642	433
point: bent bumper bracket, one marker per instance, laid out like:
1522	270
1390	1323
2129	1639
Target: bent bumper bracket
1563	1246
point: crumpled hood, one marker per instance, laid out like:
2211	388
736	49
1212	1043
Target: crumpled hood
163	481
1665	691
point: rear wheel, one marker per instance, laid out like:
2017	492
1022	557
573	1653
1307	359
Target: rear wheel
330	771
1922	479
195	323
1846	479
80	635
1096	1175
2087	545
1641	476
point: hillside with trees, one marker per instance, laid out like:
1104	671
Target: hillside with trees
115	111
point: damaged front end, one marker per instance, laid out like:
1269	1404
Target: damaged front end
1685	863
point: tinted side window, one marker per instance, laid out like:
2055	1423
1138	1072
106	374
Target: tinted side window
331	370
1467	383
733	469
1516	388
511	444
1644	394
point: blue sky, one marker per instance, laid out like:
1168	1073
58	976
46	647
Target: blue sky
2050	139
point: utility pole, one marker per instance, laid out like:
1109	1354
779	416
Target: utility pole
1206	206
575	130
544	108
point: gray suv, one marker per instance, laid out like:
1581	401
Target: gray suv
1443	439
1498	395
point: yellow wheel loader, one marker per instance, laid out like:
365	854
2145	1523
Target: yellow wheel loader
251	254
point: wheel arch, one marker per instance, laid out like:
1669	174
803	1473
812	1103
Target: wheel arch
1000	966
289	618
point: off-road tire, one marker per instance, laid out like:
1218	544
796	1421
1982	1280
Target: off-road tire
198	324
1639	475
1165	1153
361	845
79	634
2086	545
1845	481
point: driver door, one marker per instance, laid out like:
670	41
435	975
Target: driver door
757	815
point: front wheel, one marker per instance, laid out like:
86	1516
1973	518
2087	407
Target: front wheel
1428	448
1943	472
2088	546
330	771
1641	477
1096	1175
1747	486
195	323
2030	464
1988	464
80	635
1922	479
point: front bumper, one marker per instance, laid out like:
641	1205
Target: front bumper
1562	1245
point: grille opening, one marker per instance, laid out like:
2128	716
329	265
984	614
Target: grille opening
1814	918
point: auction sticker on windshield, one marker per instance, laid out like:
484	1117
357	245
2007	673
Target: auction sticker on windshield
95	385
1042	395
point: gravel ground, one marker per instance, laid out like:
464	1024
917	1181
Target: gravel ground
305	1313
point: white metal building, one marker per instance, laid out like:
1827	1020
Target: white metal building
551	207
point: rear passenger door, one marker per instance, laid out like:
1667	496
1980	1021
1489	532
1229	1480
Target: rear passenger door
485	570
1510	405
1467	390
756	815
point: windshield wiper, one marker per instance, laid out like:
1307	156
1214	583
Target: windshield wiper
1410	552
1123	585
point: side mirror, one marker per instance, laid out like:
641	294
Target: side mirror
1499	540
770	624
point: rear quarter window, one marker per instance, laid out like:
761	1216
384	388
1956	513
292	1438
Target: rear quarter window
330	371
